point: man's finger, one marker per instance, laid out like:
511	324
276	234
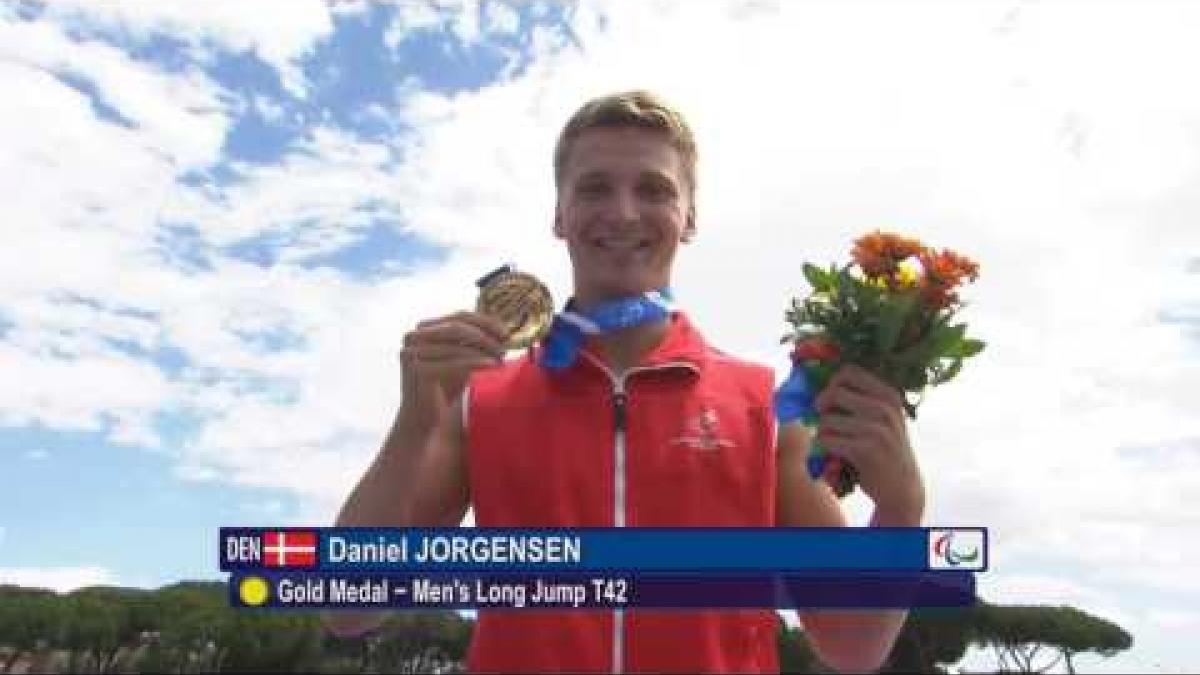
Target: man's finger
455	365
457	333
490	325
856	404
853	427
438	351
864	381
839	423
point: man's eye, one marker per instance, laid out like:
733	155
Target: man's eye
593	188
657	191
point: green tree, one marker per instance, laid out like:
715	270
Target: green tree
29	619
1074	631
420	641
1023	635
116	619
931	638
92	629
270	642
196	618
347	654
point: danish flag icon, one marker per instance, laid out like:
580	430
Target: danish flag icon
290	549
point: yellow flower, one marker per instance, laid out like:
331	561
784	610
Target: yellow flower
907	274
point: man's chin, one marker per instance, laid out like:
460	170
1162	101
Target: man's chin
623	289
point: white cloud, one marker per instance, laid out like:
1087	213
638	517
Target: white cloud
500	18
464	19
60	579
178	114
310	198
123	391
280	32
469	21
410	16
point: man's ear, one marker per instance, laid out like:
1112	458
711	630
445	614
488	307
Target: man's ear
558	226
689	228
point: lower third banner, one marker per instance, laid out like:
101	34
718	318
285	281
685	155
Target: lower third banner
365	591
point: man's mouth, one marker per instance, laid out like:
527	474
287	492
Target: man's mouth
622	244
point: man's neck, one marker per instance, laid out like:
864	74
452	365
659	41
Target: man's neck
625	349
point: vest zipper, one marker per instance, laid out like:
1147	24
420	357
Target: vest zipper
620	403
620	422
619	400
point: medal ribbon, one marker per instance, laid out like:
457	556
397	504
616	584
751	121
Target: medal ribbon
570	329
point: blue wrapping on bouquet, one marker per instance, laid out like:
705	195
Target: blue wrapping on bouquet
795	400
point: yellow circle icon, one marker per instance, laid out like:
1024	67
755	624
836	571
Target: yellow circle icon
253	591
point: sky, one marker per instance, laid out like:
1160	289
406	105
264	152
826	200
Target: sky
221	218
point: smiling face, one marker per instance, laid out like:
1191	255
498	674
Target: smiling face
623	208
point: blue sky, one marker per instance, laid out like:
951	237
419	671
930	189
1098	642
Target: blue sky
222	220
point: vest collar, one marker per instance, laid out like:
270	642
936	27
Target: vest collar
682	344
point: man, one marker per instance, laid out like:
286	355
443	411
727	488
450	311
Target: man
645	426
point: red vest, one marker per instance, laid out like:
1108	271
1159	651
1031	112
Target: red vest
684	439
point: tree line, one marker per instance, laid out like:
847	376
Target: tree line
189	628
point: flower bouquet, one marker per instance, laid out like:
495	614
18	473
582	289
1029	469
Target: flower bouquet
891	312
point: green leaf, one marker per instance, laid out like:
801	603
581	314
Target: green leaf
816	278
913	378
970	347
893	315
941	340
955	366
945	340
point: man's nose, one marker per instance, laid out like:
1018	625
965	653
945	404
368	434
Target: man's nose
626	205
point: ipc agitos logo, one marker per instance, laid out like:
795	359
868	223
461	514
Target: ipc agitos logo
959	549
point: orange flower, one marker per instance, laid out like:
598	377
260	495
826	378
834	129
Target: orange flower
945	271
948	266
878	253
815	349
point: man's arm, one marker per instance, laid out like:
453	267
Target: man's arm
847	640
418	479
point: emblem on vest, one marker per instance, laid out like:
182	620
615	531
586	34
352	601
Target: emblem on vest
702	434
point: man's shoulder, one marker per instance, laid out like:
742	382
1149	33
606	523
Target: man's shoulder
720	359
729	371
725	359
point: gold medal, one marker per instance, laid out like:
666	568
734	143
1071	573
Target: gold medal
521	302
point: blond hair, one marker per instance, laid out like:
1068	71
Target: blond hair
637	109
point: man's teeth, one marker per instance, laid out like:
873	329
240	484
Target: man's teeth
622	244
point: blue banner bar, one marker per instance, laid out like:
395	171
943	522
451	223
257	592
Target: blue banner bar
358	591
780	550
